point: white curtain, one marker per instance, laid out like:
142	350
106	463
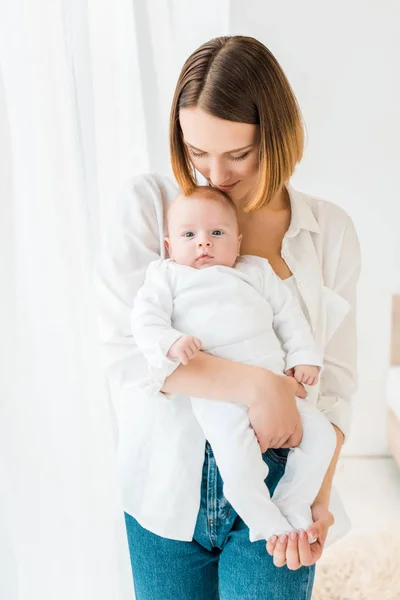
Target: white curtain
85	91
75	101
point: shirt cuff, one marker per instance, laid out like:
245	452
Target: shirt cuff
338	411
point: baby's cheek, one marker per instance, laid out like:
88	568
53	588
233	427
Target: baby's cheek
185	254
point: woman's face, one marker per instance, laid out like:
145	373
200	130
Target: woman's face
224	152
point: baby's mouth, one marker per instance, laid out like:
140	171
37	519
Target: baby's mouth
204	257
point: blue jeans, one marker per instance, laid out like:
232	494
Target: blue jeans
220	563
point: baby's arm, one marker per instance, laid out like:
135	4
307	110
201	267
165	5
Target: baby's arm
292	329
151	323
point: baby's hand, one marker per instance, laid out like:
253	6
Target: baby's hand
185	348
307	374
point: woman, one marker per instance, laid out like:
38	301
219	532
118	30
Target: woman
234	120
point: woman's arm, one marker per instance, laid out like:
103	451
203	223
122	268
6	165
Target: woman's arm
324	494
215	378
339	377
270	398
133	242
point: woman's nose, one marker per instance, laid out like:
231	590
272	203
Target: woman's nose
218	173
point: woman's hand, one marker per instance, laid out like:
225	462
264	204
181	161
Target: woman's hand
273	413
296	551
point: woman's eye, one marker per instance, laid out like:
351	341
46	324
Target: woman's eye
217	232
240	157
196	154
188	234
234	158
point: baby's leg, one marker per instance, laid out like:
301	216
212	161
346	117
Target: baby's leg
243	471
306	467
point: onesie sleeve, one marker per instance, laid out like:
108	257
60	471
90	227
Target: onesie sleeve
151	322
289	322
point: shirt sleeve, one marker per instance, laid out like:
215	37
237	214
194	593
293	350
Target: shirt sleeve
151	323
339	378
289	322
134	240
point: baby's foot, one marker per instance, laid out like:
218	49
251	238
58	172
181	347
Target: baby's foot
275	524
299	516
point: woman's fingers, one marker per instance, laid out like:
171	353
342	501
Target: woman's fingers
280	551
305	554
278	443
271	543
292	552
295	439
300	391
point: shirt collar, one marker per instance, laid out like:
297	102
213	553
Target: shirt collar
302	215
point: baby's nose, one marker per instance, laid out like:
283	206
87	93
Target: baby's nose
204	243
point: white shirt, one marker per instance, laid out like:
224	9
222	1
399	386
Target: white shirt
160	477
244	313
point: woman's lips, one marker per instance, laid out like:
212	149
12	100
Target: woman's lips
226	188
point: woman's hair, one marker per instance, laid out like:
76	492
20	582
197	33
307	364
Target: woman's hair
238	79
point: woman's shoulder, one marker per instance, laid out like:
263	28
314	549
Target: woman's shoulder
141	204
332	224
161	189
326	213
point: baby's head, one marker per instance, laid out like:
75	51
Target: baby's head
203	229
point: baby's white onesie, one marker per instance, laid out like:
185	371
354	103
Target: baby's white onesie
245	314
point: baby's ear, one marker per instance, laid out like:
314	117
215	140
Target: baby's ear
239	242
167	245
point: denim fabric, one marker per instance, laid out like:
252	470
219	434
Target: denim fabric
220	563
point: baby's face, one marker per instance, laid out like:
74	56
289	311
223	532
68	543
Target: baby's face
202	232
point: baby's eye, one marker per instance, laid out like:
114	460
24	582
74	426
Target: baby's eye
217	232
188	234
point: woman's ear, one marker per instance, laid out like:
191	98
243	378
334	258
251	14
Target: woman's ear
167	246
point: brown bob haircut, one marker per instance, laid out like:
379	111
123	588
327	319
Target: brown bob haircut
238	79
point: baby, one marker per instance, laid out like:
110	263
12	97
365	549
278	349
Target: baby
206	297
